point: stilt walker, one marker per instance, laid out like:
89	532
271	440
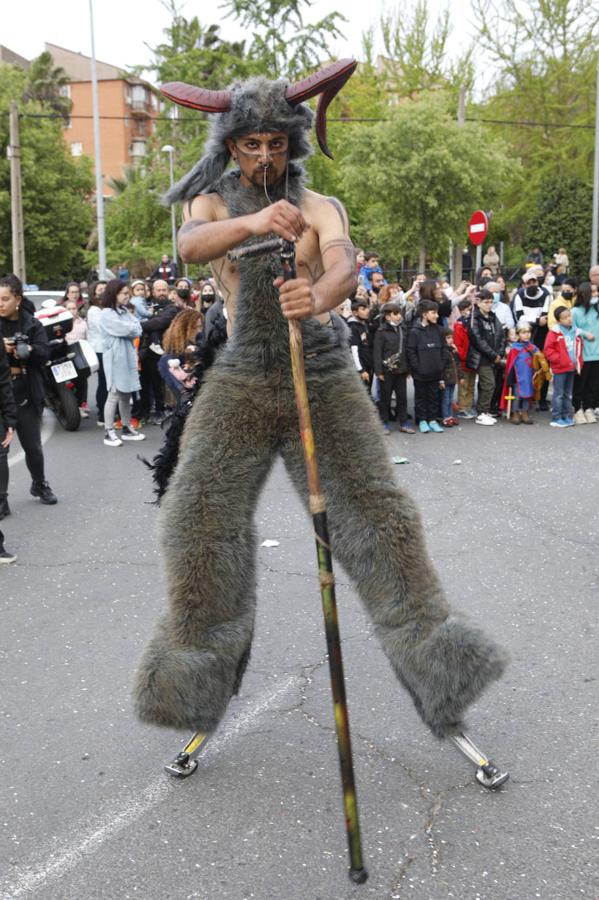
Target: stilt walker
246	223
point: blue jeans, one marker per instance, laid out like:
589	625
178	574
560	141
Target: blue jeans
561	403
447	395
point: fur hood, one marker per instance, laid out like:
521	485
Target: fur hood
257	105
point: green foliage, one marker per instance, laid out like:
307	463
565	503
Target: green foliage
416	51
562	218
285	44
56	187
545	55
138	227
412	181
44	83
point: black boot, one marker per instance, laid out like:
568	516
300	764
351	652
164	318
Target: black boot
4	507
43	490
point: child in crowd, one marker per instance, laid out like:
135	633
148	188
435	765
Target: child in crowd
519	375
563	349
78	333
452	375
391	365
138	299
461	336
427	358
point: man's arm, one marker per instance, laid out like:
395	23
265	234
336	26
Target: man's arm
203	237
299	298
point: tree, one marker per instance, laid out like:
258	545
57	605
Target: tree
545	52
138	227
285	44
45	83
561	219
416	51
56	188
412	181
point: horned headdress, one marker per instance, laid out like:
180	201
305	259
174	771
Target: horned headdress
256	105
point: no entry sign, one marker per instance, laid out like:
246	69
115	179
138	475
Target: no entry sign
478	227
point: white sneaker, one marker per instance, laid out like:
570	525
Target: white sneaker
130	434
589	416
83	412
111	438
485	419
579	417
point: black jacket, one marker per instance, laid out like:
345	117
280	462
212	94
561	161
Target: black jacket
29	385
153	328
487	340
387	342
427	352
453	369
215	324
360	338
8	410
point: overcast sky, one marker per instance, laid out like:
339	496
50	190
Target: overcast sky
123	28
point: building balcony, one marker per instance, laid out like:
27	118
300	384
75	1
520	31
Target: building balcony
140	108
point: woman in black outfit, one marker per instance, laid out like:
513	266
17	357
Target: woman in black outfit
8	420
26	346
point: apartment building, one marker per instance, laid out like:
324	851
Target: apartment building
127	107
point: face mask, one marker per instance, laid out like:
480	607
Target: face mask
496	296
376	288
594	301
207	298
567	295
550	279
183	293
531	291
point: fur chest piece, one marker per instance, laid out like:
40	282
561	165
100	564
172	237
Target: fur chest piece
244	201
260	329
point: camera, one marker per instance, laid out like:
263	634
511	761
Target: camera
21	342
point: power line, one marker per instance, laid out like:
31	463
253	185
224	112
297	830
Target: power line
349	120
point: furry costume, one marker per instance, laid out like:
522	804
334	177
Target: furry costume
242	418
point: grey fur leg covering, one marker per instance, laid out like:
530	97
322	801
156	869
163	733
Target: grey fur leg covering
196	659
376	533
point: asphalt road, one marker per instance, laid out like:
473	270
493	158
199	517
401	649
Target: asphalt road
86	810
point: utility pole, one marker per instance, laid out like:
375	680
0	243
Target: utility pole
595	233
98	155
16	197
456	269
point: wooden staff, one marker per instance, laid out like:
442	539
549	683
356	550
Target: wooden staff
357	872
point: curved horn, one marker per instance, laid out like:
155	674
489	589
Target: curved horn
197	98
327	82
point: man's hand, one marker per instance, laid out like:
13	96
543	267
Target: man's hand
365	377
10	346
7	439
542	321
297	299
282	218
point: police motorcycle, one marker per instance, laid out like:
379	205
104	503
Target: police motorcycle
66	363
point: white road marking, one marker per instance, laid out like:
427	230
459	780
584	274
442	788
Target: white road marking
48	426
31	877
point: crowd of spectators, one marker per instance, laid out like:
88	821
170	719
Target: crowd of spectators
477	352
497	349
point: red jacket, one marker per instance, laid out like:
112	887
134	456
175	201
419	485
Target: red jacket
557	355
461	339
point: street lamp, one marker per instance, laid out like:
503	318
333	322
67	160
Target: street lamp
168	148
98	155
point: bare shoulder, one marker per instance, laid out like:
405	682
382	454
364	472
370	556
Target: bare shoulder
204	208
326	214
